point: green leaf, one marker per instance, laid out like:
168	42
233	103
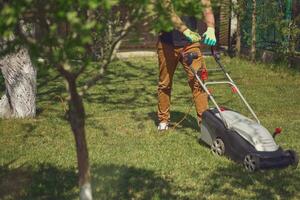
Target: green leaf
73	17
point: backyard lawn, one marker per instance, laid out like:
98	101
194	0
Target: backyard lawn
129	158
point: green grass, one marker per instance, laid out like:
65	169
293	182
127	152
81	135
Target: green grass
129	158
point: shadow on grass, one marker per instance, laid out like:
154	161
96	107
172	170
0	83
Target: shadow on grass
109	182
125	86
42	182
50	91
232	182
185	120
123	182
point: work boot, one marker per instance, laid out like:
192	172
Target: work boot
163	126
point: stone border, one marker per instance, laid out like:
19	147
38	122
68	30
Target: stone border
131	54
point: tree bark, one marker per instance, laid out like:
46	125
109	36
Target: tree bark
20	83
238	37
253	32
77	120
238	32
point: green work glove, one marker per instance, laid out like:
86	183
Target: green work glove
191	36
210	37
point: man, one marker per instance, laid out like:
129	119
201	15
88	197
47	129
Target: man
170	47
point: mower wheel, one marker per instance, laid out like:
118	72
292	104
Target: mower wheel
251	162
218	147
295	158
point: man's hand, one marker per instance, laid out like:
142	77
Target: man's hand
210	37
191	36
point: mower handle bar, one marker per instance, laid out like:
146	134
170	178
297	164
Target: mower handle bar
217	58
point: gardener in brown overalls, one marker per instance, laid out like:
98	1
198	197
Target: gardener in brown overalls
170	46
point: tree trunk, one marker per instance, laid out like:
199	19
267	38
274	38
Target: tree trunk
238	35
77	121
253	33
20	82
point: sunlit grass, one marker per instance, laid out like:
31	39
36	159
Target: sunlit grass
129	158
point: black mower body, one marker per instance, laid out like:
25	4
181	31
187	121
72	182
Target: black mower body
237	147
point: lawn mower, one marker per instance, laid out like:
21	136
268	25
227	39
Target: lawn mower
230	133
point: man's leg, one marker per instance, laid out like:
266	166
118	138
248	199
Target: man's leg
167	64
199	95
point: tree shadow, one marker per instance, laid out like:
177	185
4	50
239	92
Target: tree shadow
44	181
52	94
50	90
123	182
125	89
233	182
185	120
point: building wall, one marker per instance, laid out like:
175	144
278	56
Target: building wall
139	38
223	23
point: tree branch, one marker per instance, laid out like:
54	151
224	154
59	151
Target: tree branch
19	32
114	47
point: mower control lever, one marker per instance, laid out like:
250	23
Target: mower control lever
214	53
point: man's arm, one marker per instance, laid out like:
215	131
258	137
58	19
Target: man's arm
177	22
208	13
209	35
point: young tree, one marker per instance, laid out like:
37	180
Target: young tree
253	32
239	9
71	36
290	29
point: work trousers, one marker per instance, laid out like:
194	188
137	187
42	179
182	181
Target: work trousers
168	58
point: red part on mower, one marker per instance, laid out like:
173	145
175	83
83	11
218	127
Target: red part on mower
277	131
204	74
234	89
